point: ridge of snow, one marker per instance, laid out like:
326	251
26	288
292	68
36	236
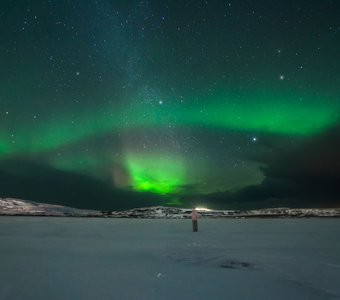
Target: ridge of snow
10	206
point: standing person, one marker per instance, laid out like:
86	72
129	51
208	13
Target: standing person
194	219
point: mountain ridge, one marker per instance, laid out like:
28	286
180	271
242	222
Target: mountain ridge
18	207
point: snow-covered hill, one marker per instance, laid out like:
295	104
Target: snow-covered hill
159	212
9	206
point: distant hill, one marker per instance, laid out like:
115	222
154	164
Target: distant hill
10	207
183	213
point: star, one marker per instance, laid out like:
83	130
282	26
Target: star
282	77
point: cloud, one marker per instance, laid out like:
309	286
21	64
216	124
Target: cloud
312	172
305	176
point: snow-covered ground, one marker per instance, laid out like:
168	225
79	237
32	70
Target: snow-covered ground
105	258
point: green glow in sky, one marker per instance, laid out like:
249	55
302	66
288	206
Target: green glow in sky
252	112
273	114
156	174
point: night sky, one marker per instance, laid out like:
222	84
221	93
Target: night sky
119	104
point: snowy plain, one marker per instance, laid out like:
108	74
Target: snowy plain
104	258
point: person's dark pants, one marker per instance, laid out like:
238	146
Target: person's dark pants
194	226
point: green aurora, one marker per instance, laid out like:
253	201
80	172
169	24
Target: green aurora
256	114
279	114
156	174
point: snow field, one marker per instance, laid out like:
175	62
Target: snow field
90	258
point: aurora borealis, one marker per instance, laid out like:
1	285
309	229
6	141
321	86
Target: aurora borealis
117	104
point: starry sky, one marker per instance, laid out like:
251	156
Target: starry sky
120	104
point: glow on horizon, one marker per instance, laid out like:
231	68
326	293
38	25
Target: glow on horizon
203	209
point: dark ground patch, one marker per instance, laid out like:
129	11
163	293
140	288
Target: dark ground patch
199	255
234	264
